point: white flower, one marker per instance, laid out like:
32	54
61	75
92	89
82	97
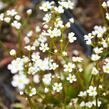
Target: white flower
7	19
57	87
44	47
36	78
59	9
16	65
29	48
106	68
82	93
99	31
71	20
98	103
35	56
32	92
46	6
105	45
42	39
37	29
68	24
2	5
13	52
19	81
46	90
64	53
53	66
1	16
89	104
68	67
82	104
29	11
88	38
104	5
98	50
54	33
95	57
71	37
67	4
94	71
47	18
17	17
77	59
29	33
27	40
59	23
11	12
16	24
92	91
47	79
107	16
71	78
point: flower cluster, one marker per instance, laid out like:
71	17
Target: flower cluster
11	17
47	71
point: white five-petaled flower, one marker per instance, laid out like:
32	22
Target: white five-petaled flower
44	47
46	6
94	71
98	50
47	18
19	81
71	78
69	67
47	79
16	24
95	57
82	93
32	92
54	33
71	37
106	68
16	65
92	91
57	87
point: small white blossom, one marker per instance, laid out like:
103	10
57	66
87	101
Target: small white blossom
82	93
36	78
46	90
92	91
16	65
13	52
98	50
69	67
7	19
46	6
47	18
44	47
89	104
11	12
95	57
71	78
29	11
57	87
71	20
1	16
18	17
16	24
32	92
47	79
106	68
19	81
94	71
71	37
